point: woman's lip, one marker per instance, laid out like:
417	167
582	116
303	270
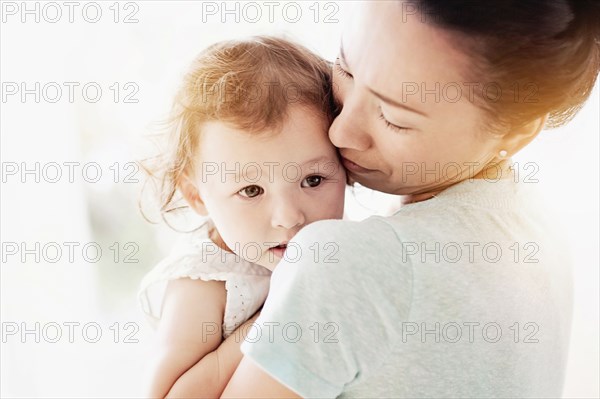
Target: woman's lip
354	167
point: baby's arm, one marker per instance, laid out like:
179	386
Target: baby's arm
209	377
189	328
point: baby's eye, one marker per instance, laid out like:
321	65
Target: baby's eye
312	181
251	191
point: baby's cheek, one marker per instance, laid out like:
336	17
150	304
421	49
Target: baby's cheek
332	206
230	228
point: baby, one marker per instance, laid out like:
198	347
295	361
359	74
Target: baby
249	152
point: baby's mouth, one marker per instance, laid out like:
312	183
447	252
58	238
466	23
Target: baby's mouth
279	250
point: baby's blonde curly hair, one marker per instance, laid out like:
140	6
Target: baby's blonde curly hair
249	84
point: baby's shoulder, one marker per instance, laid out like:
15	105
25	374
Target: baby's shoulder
195	256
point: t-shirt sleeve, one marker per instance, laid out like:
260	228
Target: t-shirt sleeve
335	307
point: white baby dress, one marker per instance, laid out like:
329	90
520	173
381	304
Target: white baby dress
197	257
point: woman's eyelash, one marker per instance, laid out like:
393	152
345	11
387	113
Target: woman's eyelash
341	71
389	124
346	74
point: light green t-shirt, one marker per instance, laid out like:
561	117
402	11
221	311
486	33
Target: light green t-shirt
468	294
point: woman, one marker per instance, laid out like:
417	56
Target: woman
464	292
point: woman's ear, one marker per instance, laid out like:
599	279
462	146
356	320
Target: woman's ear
192	195
520	137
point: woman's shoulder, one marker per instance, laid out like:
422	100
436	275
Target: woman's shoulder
470	210
346	232
353	265
341	249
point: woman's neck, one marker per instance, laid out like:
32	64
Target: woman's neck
492	172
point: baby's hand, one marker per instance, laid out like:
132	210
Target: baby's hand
209	377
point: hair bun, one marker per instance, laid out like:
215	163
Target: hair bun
587	14
585	5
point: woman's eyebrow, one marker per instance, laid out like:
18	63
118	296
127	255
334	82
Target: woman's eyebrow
386	99
396	103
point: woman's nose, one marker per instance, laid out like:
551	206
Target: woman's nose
348	129
287	214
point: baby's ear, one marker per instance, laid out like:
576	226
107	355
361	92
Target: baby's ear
191	194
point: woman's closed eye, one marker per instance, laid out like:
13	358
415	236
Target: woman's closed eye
348	75
390	124
342	71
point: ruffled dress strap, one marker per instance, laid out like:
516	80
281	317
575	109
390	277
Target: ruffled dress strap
198	258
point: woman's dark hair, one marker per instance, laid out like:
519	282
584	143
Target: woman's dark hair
544	55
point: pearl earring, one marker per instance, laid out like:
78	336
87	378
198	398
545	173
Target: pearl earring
503	153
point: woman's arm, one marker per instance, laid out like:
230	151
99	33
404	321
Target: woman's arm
190	328
208	377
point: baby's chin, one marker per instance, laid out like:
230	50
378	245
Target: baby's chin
268	261
270	258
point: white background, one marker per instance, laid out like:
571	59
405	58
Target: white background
152	54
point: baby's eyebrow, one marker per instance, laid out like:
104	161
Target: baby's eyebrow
263	167
319	159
